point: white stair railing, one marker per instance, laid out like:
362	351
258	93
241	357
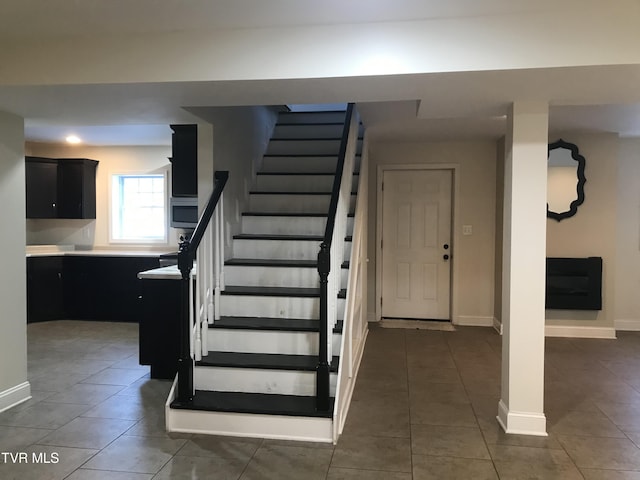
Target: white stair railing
200	287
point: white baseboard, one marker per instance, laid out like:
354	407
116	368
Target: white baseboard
497	325
474	321
579	332
15	395
627	325
521	423
371	317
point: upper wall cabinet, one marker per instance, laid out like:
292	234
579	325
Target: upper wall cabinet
184	161
60	188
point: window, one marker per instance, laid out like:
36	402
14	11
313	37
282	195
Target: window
138	208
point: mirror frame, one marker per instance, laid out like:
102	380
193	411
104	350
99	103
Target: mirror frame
573	207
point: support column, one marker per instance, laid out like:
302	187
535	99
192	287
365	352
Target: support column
520	410
14	387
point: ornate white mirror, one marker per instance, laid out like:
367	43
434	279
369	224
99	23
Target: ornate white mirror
565	180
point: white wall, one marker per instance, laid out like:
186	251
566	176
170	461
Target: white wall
592	231
474	273
240	138
95	233
13	296
627	279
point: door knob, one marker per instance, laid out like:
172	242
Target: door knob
446	246
445	256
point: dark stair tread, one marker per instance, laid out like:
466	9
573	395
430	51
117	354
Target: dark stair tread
330	174
268	323
342	293
271	361
261	262
271	291
327	155
307	124
287	214
258	403
304	139
266	236
289	192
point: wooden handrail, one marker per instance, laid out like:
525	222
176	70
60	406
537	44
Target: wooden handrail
324	268
186	256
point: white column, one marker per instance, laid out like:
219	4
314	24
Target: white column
14	387
520	410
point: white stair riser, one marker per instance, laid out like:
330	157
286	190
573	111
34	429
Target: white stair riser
311	117
268	306
284	225
281	249
308	131
306	147
284	427
298	203
298	183
257	276
303	164
266	341
259	380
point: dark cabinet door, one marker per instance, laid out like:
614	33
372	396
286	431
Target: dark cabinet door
105	288
41	176
77	188
184	161
45	300
63	188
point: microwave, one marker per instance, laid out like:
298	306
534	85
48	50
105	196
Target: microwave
183	212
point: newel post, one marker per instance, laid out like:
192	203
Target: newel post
185	362
322	370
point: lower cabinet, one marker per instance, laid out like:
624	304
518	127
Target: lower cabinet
85	287
160	327
45	289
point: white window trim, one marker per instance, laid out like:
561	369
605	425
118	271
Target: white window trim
159	241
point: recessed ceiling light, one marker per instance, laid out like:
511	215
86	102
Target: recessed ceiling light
73	139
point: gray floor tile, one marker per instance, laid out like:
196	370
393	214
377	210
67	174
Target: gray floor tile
590	474
190	468
14	439
85	394
440	468
117	376
336	473
115	407
373	453
84	474
284	462
602	453
431	413
43	415
438	440
92	433
380	414
135	454
438	393
583	423
238	449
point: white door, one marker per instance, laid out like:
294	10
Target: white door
416	244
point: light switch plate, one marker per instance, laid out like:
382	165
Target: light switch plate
467	230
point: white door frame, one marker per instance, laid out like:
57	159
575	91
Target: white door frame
453	306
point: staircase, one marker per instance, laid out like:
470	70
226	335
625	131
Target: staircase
258	377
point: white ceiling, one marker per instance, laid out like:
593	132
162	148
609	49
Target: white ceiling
438	105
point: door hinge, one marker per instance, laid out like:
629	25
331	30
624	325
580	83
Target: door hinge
380	243
380	301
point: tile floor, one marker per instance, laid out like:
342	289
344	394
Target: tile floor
424	408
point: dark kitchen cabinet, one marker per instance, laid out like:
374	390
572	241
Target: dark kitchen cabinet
60	188
184	161
45	300
105	287
160	326
41	175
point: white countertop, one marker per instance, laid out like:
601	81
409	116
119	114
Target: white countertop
163	273
70	250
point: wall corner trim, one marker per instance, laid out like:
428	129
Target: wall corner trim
627	325
497	325
579	331
14	396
